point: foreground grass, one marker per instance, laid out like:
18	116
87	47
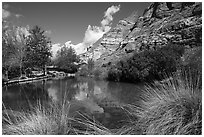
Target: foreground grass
173	107
52	120
168	108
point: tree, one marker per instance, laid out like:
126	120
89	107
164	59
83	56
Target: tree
90	64
7	51
67	59
148	65
20	41
13	46
38	50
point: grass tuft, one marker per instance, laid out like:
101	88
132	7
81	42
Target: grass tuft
52	120
172	107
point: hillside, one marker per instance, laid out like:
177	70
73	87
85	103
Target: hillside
161	23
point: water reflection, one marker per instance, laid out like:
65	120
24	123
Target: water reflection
24	97
85	96
52	92
99	98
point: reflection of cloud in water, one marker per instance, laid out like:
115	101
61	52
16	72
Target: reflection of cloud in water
82	91
94	98
81	95
89	105
85	98
52	92
98	93
82	99
97	90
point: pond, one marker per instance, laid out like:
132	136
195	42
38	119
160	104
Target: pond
103	99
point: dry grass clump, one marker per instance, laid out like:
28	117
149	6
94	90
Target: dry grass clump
52	120
173	107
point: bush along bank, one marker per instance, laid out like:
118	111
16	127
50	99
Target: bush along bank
147	65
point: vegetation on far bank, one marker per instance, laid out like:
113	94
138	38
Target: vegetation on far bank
66	59
26	49
89	70
150	65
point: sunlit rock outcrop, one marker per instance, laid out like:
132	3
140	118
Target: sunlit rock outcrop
161	23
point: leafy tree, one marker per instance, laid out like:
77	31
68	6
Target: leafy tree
67	59
83	71
13	47
90	64
38	49
148	65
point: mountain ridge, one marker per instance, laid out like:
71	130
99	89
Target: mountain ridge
161	23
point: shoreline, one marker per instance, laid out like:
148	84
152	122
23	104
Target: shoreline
30	80
27	80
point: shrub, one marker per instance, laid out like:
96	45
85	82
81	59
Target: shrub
97	73
83	71
148	65
114	74
170	108
192	64
53	120
90	64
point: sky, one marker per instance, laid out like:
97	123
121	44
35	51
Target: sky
70	22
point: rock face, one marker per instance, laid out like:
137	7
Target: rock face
161	23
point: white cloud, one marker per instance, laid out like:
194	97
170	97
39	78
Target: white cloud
79	48
18	15
68	43
5	14
94	33
108	17
55	48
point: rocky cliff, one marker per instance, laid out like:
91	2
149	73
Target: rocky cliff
161	23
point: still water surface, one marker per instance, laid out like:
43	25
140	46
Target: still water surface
89	95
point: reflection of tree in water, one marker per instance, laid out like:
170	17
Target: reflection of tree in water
113	99
85	96
96	96
25	96
61	90
125	92
92	95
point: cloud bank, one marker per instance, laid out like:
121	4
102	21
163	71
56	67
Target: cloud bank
92	33
108	17
55	48
5	14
